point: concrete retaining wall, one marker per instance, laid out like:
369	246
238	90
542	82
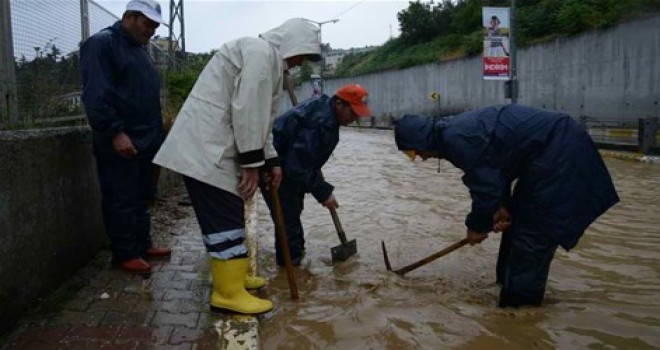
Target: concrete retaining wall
50	215
613	73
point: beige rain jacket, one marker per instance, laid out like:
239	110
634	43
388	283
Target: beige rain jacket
226	121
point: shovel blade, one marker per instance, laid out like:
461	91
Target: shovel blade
344	251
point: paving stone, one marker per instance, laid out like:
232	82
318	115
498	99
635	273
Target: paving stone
100	334
187	346
180	284
184	335
187	276
188	306
127	318
160	335
91	318
139	334
44	335
163	276
171	305
209	339
180	294
178	268
165	319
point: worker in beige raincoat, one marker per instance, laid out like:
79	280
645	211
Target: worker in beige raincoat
222	135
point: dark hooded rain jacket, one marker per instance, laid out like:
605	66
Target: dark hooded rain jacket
562	183
121	90
304	138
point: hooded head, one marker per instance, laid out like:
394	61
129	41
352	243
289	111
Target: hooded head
415	134
296	37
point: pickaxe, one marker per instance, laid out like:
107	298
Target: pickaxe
422	262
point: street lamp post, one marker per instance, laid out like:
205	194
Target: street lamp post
320	24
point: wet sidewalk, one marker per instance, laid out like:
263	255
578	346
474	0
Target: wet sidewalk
102	307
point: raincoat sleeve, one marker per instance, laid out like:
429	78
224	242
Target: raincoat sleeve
301	146
251	106
271	155
468	148
96	68
489	191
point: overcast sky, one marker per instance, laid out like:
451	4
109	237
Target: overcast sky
210	23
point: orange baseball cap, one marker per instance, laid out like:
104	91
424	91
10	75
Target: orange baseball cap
357	97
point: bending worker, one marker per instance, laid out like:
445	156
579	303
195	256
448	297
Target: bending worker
562	184
304	138
221	137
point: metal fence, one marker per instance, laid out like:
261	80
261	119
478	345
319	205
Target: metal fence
45	86
642	135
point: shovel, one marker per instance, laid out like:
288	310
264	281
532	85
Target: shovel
346	249
422	262
280	230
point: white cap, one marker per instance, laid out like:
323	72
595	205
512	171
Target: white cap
149	8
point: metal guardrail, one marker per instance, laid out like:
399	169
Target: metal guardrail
642	135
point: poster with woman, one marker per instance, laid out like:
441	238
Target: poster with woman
495	21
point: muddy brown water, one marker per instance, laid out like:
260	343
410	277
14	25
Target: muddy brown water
604	294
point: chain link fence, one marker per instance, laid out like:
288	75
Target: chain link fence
46	36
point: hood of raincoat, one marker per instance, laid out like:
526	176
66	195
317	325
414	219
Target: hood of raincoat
295	37
419	133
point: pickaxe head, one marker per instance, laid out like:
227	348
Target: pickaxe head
387	258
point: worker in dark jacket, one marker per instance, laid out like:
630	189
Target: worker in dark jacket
304	138
562	184
121	94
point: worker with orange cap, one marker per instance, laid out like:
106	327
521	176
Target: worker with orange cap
304	138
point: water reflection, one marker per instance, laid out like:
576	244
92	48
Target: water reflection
603	294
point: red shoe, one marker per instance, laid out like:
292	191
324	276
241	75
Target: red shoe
158	252
137	265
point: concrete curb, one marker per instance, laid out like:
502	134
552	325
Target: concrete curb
636	157
241	332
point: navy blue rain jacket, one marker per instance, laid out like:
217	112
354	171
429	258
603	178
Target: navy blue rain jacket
563	184
304	138
121	90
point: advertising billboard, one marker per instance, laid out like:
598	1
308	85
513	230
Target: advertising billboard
496	60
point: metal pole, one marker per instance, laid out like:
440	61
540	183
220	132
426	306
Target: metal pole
320	24
8	105
176	42
513	52
84	20
170	44
182	36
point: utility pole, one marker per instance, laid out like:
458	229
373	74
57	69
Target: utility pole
84	20
320	24
8	105
513	52
177	42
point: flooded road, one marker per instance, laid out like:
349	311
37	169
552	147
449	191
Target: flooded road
602	295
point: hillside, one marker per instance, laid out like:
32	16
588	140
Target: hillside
440	31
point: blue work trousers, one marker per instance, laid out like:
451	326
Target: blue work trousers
127	186
523	265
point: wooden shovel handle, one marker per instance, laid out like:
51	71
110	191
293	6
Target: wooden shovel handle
340	230
284	242
289	88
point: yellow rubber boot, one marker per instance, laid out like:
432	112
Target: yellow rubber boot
254	282
229	288
251	282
